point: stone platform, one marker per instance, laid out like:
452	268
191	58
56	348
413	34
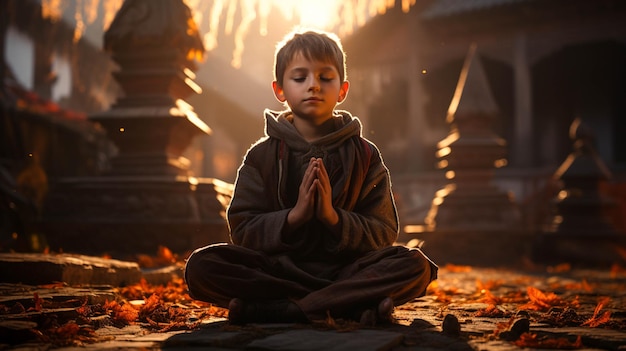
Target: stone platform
467	308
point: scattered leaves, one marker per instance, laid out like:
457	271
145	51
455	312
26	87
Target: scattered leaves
69	334
531	340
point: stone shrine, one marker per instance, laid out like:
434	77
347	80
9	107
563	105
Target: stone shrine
471	220
580	229
148	198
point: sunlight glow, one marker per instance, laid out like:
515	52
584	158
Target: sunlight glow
499	163
237	17
85	13
341	17
51	9
456	99
445	151
414	228
318	14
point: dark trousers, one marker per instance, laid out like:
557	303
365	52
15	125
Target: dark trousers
220	272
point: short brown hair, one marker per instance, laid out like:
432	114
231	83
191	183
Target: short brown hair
314	45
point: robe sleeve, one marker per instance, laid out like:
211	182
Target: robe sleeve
254	220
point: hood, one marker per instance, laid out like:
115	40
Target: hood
279	125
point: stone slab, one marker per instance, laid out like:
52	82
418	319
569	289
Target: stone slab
206	338
600	338
13	293
162	275
313	340
38	269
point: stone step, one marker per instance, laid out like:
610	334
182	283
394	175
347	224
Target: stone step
39	269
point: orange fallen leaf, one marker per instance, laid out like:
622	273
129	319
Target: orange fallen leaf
540	301
488	285
583	285
597	320
617	270
166	255
489	298
121	314
492	311
38	301
55	285
561	268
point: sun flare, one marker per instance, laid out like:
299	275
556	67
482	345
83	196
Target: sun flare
339	16
236	18
318	14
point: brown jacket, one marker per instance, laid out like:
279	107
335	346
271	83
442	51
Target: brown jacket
267	188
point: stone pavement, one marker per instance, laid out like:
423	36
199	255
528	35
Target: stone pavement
467	308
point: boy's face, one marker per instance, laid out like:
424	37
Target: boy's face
312	89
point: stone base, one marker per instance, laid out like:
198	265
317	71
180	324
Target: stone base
120	239
486	248
129	215
585	250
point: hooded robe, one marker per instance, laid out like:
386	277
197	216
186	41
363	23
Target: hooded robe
314	267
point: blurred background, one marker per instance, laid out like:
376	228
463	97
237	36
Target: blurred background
544	65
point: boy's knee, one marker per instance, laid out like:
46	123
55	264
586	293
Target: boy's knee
192	261
423	265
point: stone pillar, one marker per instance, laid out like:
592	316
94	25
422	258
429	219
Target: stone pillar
580	229
148	198
472	221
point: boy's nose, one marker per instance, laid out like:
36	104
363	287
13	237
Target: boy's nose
315	85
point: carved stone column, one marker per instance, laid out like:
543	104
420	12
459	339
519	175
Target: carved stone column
148	198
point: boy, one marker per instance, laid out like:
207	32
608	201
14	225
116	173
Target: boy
312	218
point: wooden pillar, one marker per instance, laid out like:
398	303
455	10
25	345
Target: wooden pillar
522	143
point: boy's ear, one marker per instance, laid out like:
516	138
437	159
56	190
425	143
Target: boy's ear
278	91
343	91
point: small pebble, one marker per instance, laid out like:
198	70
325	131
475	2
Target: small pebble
451	325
